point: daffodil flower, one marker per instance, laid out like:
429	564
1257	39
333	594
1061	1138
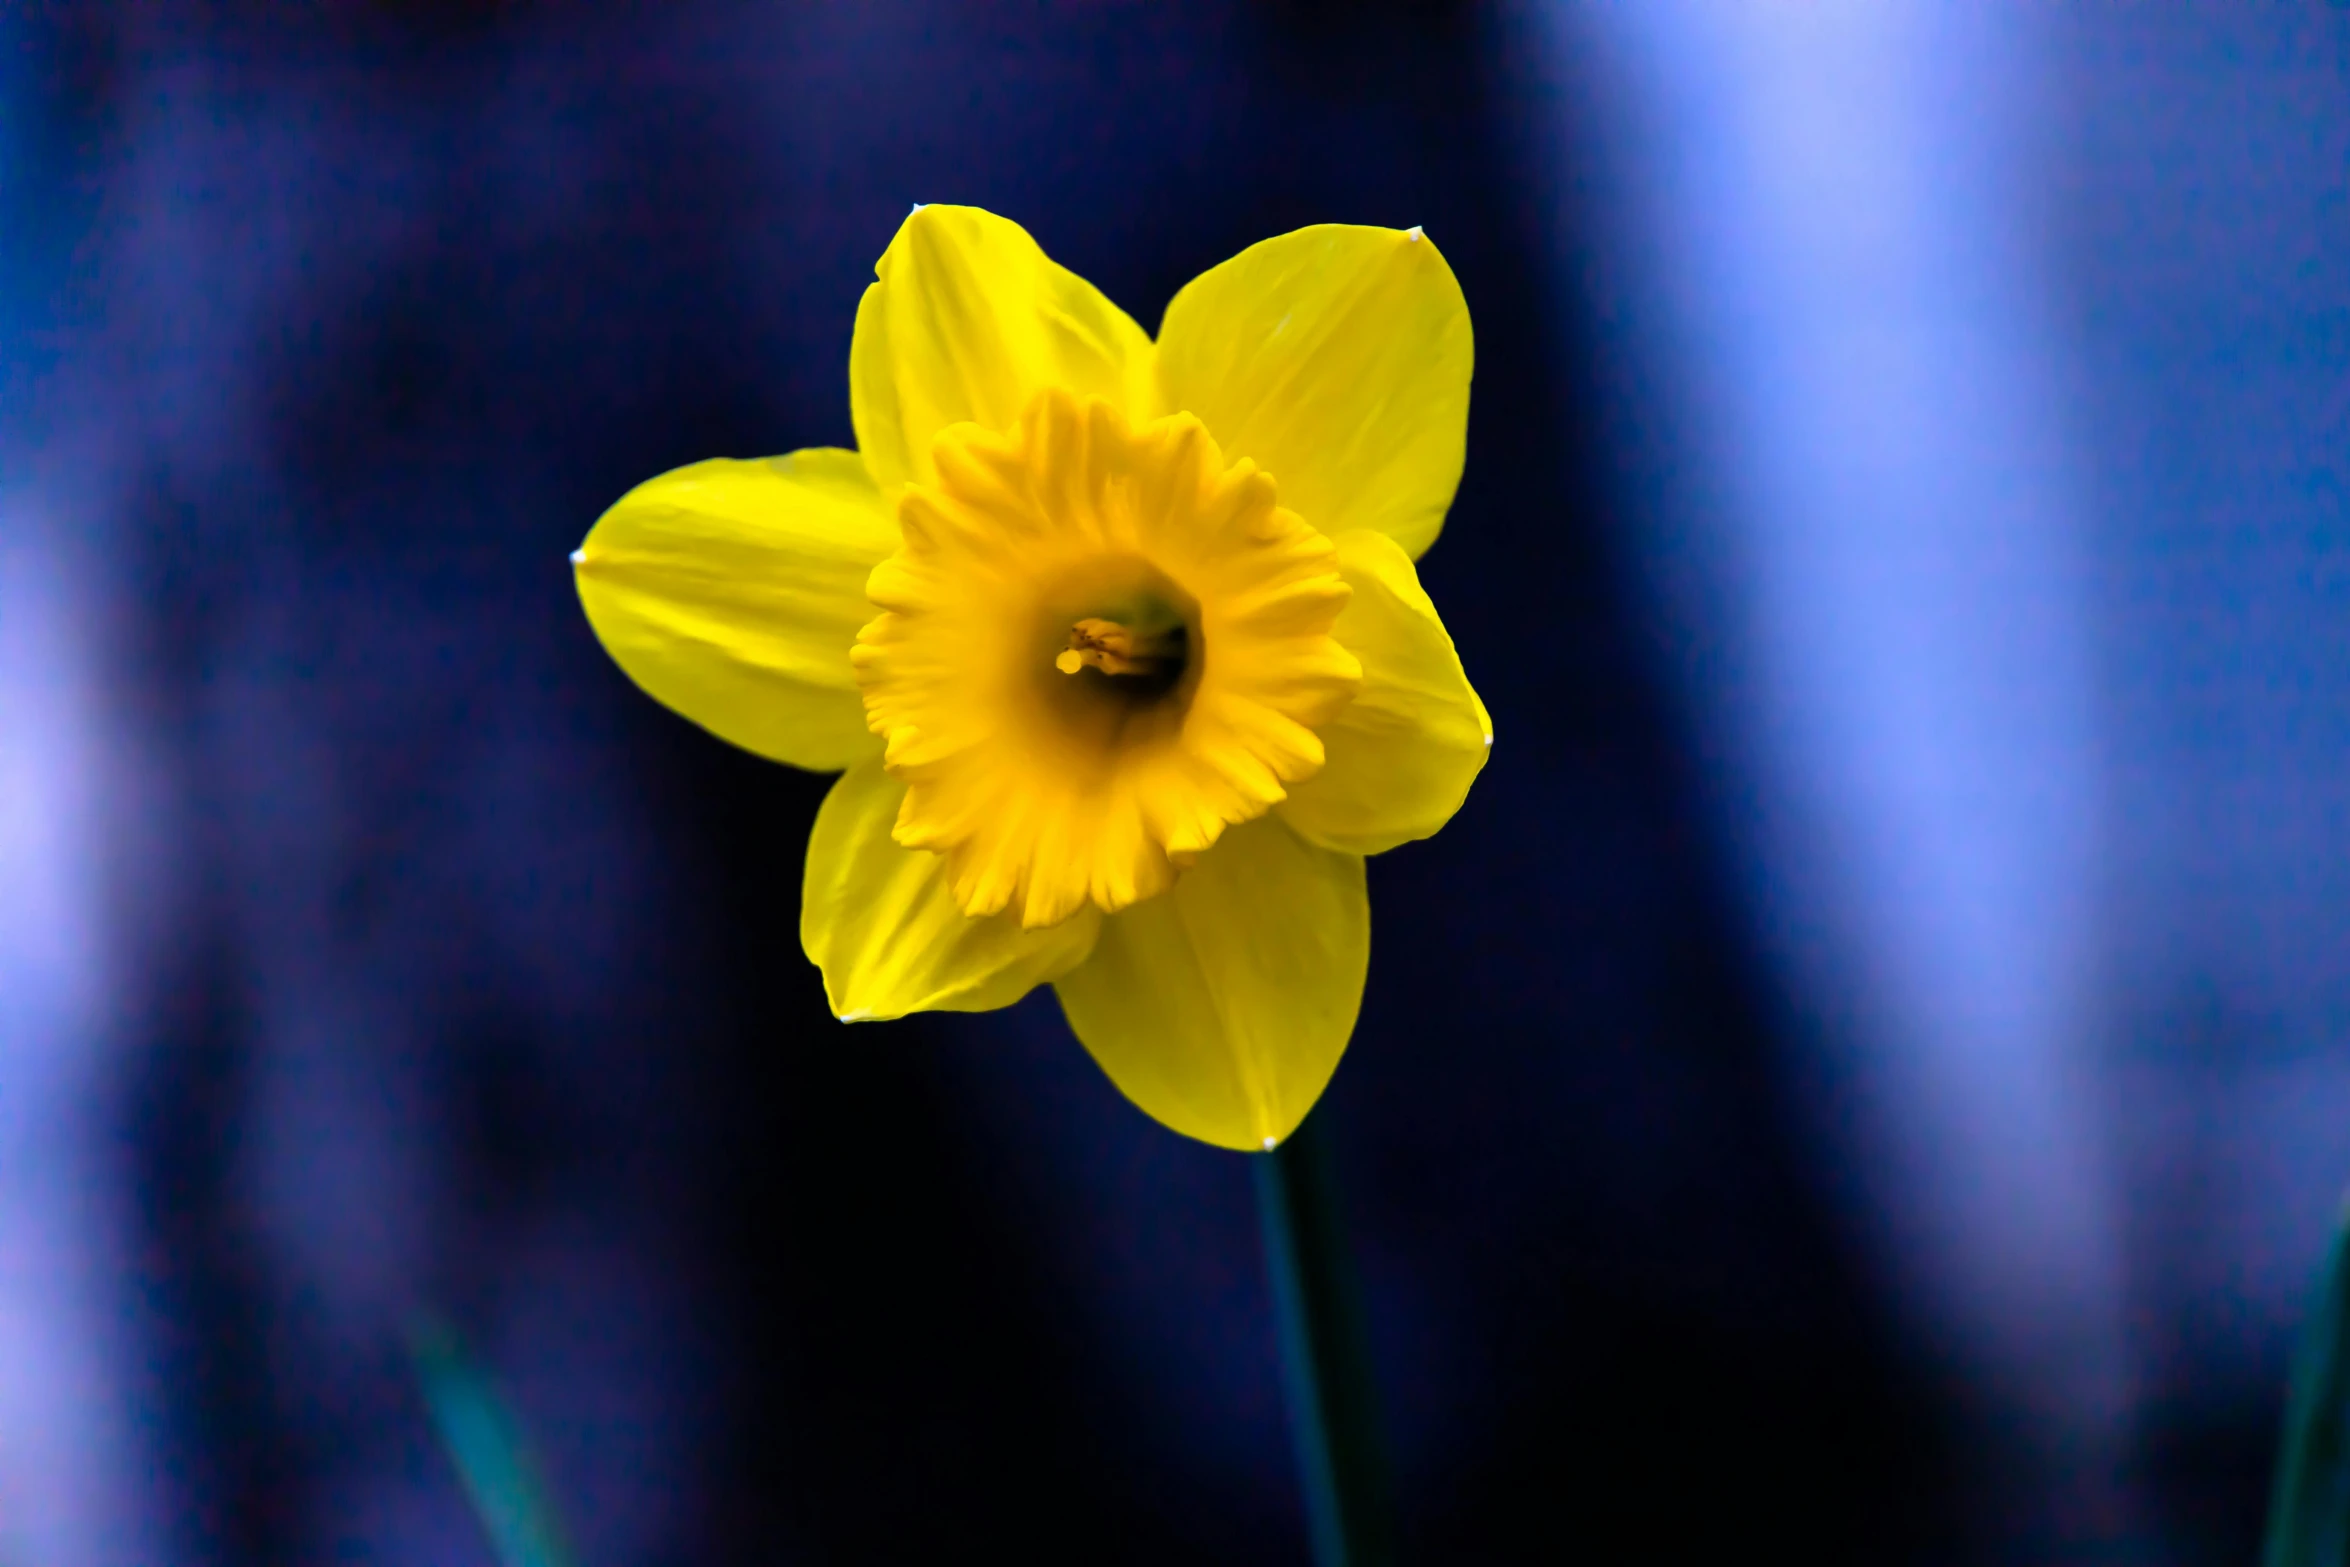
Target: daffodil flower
1118	644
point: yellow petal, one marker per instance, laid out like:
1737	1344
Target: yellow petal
1338	357
1222	1006
882	924
969	320
732	591
1401	756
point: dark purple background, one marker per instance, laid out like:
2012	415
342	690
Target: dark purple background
1864	1073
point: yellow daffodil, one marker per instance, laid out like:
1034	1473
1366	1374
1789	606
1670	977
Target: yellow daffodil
1119	643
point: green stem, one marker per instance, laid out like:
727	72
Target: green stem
486	1447
2309	1504
1325	1357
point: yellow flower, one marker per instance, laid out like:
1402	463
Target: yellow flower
1118	642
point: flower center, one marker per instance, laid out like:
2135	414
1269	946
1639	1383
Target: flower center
1099	648
1149	658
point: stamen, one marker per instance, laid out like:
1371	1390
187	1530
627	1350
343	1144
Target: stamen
1119	650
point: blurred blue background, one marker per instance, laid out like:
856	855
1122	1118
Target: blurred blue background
1869	1069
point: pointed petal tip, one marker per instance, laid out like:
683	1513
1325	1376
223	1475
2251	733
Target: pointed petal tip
1270	1142
579	556
856	1017
1414	234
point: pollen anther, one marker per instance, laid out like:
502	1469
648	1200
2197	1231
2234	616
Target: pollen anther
1118	650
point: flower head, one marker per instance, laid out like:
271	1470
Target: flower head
1119	643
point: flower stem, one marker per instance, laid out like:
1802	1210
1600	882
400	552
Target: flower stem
2309	1505
1325	1356
486	1446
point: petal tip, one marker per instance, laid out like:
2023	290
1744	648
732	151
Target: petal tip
579	556
856	1017
1271	1143
1413	235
